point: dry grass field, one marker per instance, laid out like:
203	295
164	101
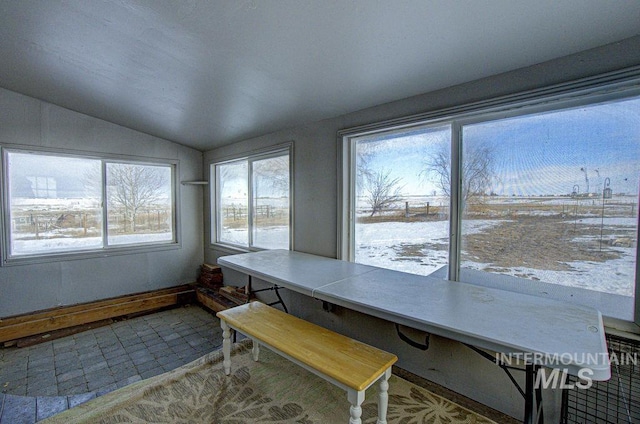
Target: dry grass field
544	233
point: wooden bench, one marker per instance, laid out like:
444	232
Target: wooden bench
347	363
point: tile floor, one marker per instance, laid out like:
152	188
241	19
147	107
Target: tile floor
79	367
39	381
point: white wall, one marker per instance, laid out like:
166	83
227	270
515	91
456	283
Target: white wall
26	121
315	223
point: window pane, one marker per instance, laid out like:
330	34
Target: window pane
233	203
54	203
402	199
271	202
554	196
139	203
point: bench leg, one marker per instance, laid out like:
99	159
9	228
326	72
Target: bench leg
355	399
255	350
383	398
226	346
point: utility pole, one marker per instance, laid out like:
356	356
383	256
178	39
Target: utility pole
586	179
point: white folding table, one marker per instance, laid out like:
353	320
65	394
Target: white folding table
551	333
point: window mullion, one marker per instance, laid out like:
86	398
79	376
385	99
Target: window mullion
215	194
105	216
291	199
455	207
5	214
352	199
250	211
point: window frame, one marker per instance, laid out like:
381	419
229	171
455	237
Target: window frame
106	249
612	86
254	156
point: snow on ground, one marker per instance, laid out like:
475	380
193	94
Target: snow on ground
614	276
610	222
414	247
276	237
422	248
385	245
381	244
28	247
67	244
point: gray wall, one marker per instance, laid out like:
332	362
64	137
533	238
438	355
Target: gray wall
315	222
26	288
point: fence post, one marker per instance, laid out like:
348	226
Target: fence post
427	208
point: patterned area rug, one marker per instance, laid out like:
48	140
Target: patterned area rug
272	390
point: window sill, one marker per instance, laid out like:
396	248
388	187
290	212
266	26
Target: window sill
88	254
228	248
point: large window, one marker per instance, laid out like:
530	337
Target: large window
252	207
400	219
553	196
60	204
539	197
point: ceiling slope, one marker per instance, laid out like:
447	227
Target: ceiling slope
206	73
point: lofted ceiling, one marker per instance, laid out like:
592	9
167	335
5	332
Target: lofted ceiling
206	73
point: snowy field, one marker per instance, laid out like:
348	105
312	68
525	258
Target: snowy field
276	237
383	245
79	231
68	244
421	246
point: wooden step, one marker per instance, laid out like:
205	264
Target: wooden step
42	322
212	300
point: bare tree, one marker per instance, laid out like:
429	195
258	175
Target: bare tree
438	167
381	190
230	172
363	166
133	188
275	172
477	170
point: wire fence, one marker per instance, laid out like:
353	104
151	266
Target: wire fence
38	224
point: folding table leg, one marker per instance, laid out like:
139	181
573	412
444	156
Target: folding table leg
533	412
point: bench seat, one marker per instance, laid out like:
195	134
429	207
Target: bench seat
347	363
